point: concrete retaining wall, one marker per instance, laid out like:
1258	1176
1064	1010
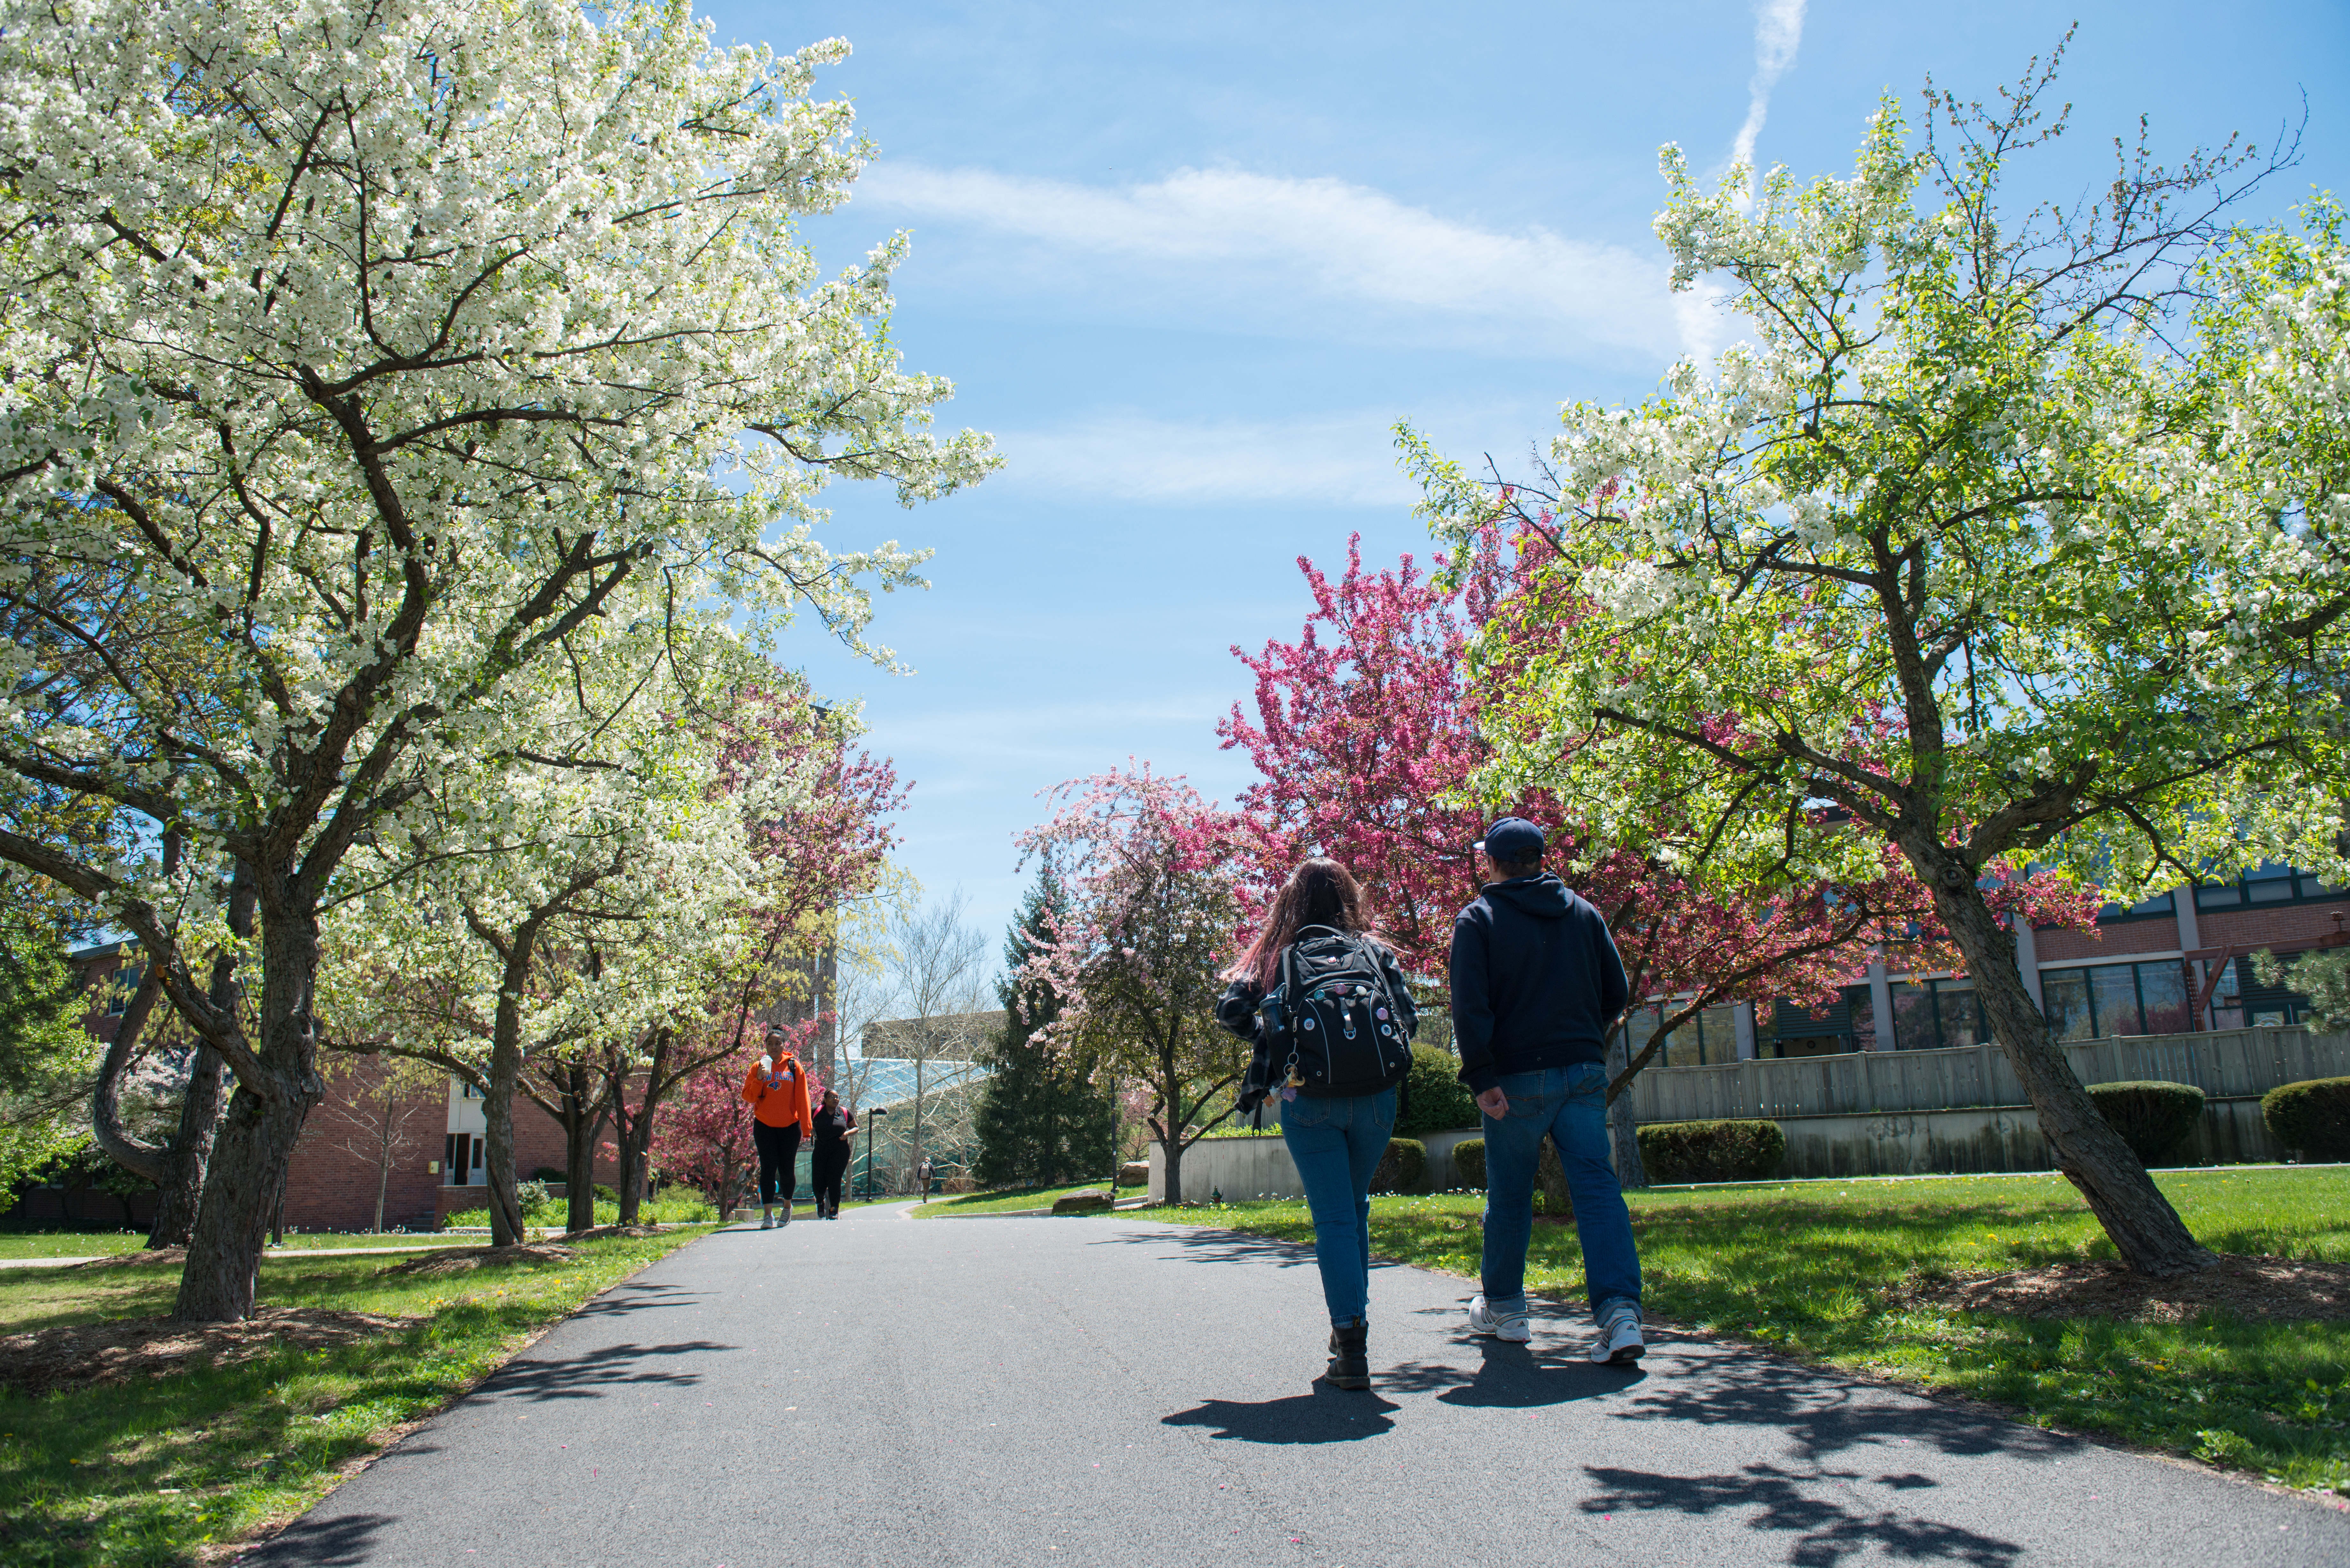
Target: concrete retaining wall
1260	1167
1908	1113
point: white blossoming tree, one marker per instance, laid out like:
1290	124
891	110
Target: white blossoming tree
572	892
2278	336
1930	563
379	349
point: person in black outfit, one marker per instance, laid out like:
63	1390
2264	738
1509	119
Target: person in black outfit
835	1128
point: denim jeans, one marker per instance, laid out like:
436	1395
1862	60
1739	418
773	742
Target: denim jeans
1336	1143
1570	1104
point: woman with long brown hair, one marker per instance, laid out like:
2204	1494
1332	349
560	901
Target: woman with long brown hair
1331	1016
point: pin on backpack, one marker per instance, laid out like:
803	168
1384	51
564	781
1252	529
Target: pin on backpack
1343	1029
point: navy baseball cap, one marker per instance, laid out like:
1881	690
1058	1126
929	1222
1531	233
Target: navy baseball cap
1512	838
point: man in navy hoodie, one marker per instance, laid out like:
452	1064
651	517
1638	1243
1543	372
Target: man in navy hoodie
1536	984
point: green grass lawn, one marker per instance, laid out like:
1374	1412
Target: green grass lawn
968	1203
70	1243
1829	1272
147	1472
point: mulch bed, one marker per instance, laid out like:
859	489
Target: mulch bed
464	1259
78	1355
2257	1290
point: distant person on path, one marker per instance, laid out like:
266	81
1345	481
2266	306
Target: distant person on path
1536	981
1326	1006
834	1129
777	1090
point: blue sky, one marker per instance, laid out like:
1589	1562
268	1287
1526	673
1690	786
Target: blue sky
1188	265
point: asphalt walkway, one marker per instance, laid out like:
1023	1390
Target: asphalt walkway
1081	1391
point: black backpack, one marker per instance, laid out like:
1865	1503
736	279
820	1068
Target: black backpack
1335	1026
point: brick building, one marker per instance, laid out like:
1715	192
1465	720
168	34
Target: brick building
419	1138
421	1141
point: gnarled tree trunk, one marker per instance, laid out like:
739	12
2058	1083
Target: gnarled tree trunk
182	1184
2146	1229
150	1161
245	1178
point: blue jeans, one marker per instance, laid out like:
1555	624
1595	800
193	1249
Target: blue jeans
1336	1143
1570	1104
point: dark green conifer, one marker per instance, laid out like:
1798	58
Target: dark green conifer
1042	1119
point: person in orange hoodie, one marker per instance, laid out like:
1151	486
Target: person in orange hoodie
777	1091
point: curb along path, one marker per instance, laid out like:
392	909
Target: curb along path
880	1390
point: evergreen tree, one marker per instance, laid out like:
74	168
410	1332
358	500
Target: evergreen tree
1041	1120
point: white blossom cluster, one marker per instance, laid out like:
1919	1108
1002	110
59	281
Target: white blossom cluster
357	359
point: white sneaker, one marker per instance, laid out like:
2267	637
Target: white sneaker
1510	1327
1619	1342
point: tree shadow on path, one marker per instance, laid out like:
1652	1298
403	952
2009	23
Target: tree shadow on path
1819	1414
1326	1415
1816	1509
634	1296
310	1543
599	1372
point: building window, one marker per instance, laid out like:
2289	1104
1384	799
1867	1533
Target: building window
1707	1040
2144	908
2104	999
2064	1002
125	980
464	1157
2163	997
1913	1016
2268	883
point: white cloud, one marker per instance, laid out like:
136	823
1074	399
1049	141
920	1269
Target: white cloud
1339	460
1778	29
1257	240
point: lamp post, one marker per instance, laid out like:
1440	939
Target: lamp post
871	1116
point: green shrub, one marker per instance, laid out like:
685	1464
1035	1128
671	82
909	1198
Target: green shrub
532	1195
1469	1163
605	1193
1711	1151
1435	1099
1400	1169
2153	1118
2313	1117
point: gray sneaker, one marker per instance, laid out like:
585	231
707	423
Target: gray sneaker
766	1218
1508	1326
1619	1342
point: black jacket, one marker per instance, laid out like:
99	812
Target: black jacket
1535	981
1236	1010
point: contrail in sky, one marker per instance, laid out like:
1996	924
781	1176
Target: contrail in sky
1778	28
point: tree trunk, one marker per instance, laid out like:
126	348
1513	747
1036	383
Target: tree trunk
635	1140
246	1174
144	1161
583	1118
200	1109
1550	1178
242	1183
497	1140
2146	1229
383	1160
1622	1130
181	1187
